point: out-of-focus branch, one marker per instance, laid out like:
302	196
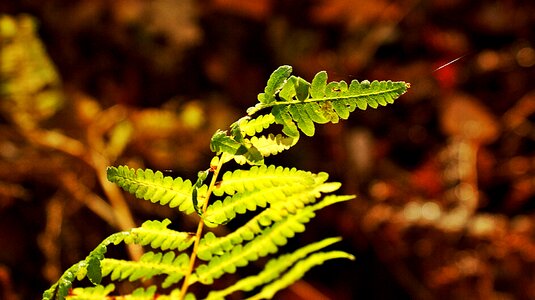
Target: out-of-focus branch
84	195
94	155
99	161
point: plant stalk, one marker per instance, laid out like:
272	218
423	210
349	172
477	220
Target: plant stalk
198	234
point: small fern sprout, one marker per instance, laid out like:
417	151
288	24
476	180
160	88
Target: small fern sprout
276	201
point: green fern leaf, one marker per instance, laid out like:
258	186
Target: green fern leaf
297	271
153	186
154	233
266	243
253	156
220	212
272	144
157	235
272	270
91	266
60	289
211	245
275	82
259	177
235	147
80	270
319	83
221	142
95	293
175	294
94	272
143	293
150	264
295	193
253	126
289	90
287	226
283	117
304	121
91	293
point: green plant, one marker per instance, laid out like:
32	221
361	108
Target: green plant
285	199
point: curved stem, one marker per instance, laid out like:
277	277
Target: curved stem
198	234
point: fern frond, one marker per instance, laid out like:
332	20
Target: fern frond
91	293
236	145
153	186
259	177
297	271
60	289
90	267
272	270
289	199
221	212
299	104
175	294
158	236
259	186
268	242
154	233
300	200
211	245
249	150
285	226
149	293
294	193
221	142
149	265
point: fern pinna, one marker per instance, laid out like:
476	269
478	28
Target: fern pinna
282	200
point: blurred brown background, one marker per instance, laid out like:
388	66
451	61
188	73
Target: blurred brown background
445	177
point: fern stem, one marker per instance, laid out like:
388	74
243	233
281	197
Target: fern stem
200	228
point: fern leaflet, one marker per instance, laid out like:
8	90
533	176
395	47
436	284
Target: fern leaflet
259	177
251	127
157	235
297	271
91	293
272	144
153	186
149	265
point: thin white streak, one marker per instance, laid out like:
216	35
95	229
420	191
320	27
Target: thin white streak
449	63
